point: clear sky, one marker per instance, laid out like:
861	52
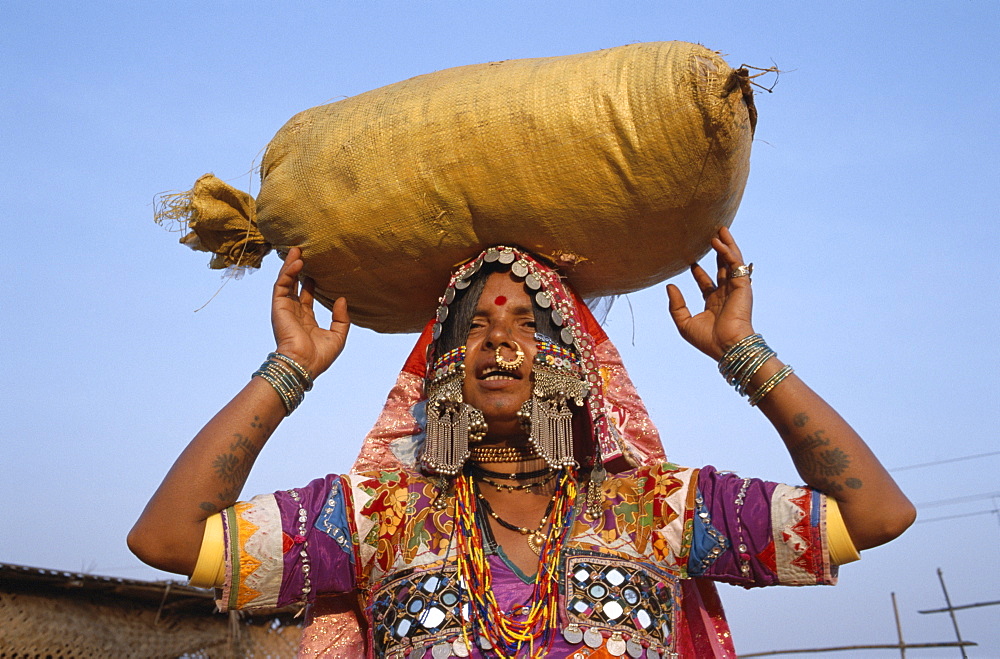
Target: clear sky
871	215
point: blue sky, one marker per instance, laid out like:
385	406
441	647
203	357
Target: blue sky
871	215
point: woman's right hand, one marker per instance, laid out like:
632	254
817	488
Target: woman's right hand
296	332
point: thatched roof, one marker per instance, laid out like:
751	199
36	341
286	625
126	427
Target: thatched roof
67	614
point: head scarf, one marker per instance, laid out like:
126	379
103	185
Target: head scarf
619	420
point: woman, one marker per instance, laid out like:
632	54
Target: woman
482	518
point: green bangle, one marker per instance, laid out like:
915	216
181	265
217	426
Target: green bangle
771	383
298	368
289	380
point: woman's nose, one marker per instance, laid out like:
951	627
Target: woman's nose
498	335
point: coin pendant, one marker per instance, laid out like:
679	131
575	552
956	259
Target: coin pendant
593	638
459	648
573	634
616	644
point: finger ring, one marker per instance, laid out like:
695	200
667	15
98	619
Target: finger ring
741	271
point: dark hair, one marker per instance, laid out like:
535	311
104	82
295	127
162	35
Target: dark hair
455	329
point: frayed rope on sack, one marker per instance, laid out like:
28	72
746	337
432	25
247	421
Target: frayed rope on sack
219	219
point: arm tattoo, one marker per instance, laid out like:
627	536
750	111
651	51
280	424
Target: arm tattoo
821	464
233	468
801	419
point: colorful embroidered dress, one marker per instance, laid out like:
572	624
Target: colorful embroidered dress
637	581
620	577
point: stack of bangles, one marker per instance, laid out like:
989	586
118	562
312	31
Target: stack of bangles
743	360
288	378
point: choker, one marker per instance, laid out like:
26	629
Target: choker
502	453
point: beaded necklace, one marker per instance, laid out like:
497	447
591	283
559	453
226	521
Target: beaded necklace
480	471
536	537
494	478
508	635
520	487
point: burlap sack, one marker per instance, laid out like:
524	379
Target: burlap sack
619	164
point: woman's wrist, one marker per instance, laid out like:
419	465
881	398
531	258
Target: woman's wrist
752	368
289	379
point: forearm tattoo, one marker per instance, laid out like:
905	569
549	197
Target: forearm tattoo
232	468
820	463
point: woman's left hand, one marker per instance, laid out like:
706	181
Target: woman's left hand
728	302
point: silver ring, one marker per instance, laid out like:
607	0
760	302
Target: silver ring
741	271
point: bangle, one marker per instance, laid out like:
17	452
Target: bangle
771	383
299	369
742	361
288	378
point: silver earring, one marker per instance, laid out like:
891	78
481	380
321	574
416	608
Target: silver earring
548	414
451	423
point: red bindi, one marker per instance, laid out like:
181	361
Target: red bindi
500	301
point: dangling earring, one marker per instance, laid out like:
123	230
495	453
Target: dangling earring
548	415
451	423
595	486
441	500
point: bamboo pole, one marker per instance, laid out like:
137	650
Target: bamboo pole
899	628
951	612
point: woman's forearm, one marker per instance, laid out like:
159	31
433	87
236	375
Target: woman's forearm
831	457
207	477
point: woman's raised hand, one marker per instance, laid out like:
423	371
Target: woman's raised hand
296	332
728	302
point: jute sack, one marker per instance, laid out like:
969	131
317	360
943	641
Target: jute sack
619	165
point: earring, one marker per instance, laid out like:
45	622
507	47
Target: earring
548	414
451	423
594	490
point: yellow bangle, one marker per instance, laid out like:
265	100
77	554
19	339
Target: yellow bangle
210	569
838	540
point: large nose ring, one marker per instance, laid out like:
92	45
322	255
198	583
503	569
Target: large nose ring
515	363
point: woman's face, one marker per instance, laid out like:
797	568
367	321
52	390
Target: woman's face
503	318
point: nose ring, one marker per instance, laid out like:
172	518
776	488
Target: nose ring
514	363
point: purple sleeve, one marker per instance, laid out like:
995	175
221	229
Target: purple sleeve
288	547
756	533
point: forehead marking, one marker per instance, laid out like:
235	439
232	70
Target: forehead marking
500	300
